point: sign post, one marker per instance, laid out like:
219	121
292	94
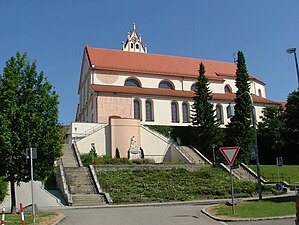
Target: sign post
279	163
32	154
230	154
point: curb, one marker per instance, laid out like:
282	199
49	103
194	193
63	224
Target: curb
59	220
204	211
200	202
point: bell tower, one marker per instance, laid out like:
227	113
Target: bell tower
133	43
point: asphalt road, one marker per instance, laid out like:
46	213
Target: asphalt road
149	215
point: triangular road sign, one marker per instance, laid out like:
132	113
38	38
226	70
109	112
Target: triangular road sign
230	153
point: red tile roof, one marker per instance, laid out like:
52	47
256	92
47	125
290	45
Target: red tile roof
171	93
155	64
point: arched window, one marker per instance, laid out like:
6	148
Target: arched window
137	46
174	112
227	89
132	82
219	114
137	109
185	108
149	110
166	85
260	92
132	45
193	87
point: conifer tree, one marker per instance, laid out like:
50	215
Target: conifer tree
239	131
203	117
28	118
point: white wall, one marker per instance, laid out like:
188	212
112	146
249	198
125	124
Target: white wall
153	144
100	138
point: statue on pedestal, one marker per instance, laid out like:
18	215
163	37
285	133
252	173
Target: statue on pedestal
134	151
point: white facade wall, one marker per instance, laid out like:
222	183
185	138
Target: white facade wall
154	145
87	133
259	89
162	111
100	139
148	81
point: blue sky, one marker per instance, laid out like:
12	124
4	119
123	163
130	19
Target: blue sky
54	32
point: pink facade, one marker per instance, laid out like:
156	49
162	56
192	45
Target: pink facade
122	130
113	106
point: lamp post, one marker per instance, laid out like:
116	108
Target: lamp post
291	51
231	112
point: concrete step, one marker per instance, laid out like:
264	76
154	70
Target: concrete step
82	189
68	157
69	162
79	181
75	169
88	200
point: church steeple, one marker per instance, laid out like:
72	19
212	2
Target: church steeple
133	43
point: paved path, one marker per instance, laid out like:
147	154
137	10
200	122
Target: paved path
42	197
184	214
142	215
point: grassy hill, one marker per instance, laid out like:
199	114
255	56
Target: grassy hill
172	185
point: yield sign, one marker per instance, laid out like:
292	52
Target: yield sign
230	153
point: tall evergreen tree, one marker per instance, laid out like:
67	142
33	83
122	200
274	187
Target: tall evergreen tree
239	131
29	118
203	117
270	134
292	129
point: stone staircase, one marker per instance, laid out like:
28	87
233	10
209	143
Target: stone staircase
68	158
241	173
79	181
192	155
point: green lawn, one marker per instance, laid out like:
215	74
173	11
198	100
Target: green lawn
172	185
257	209
43	218
289	173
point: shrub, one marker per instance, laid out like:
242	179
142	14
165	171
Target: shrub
117	154
114	161
143	161
86	159
142	153
50	181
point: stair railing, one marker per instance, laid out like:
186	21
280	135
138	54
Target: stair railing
201	155
99	190
185	153
77	154
89	132
157	134
61	180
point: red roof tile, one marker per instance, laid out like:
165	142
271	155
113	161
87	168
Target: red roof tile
171	93
155	64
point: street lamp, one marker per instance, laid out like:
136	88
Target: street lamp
291	51
231	113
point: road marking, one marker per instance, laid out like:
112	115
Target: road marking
223	223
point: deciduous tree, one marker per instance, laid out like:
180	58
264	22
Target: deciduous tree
270	134
292	128
28	118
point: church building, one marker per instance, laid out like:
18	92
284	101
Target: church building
150	89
